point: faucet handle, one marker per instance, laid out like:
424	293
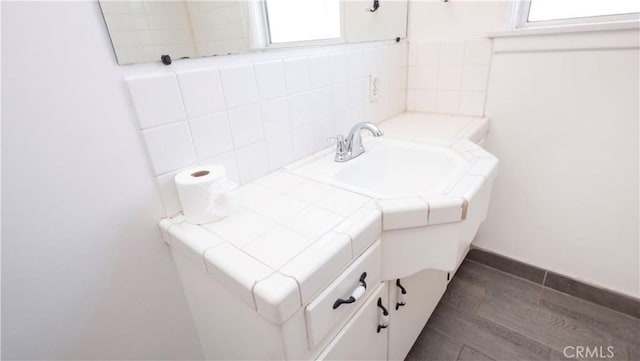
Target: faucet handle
337	139
341	146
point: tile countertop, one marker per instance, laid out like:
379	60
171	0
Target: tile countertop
292	235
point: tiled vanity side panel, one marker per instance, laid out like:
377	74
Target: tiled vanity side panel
254	113
448	77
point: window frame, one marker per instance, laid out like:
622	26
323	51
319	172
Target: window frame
260	11
520	15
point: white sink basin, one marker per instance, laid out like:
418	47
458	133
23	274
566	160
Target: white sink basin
432	196
391	169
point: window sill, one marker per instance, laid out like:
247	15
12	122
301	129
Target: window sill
567	29
576	37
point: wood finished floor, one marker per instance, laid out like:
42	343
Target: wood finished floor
487	314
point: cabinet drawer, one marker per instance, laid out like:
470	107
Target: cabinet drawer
320	314
361	339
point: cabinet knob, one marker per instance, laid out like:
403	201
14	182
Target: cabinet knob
402	295
383	316
357	293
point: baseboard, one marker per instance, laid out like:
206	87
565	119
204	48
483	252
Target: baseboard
575	288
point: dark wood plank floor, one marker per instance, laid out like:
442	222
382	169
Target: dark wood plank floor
487	314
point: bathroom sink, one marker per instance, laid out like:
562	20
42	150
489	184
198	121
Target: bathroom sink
391	169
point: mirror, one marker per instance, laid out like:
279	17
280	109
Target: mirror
148	31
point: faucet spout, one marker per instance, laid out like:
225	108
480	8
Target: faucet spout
352	145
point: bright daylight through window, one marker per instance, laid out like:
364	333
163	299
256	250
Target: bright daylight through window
542	10
303	20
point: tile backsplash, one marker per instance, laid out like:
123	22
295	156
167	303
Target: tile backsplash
448	77
254	113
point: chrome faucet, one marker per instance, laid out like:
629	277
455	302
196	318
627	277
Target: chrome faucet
351	147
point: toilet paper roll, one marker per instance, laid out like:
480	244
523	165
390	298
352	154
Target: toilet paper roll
206	194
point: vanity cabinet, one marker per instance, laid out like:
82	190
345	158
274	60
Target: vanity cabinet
412	299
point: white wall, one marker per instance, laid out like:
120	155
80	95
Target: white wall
564	124
565	127
84	272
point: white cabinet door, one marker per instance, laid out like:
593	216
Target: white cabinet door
423	291
360	338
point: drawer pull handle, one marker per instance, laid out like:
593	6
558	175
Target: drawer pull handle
383	316
359	291
402	296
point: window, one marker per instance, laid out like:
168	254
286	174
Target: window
574	11
302	20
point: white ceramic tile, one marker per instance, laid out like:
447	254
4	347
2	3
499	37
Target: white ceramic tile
477	52
310	191
475	78
168	192
342	202
321	103
280	181
253	194
449	77
355	64
246	125
235	270
201	92
340	97
484	167
426	77
169	147
404	213
428	53
277	247
300	111
411	100
412	73
448	101
319	72
252	161
370	60
382	59
275	117
296	73
156	99
402	53
472	103
304	141
452	53
467	187
277	297
239	85
280	150
324	130
316	266
359	91
165	224
235	231
280	208
444	209
425	100
226	160
342	123
339	67
211	135
413	53
270	79
363	227
313	222
193	241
